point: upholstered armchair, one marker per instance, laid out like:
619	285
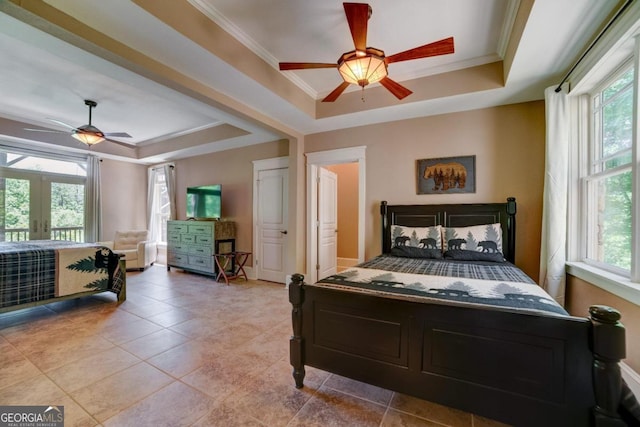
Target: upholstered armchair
134	246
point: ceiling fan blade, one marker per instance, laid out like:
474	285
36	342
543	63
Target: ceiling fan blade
62	123
118	135
357	17
124	144
395	88
336	92
284	66
44	130
441	47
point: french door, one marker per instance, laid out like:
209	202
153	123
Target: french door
41	206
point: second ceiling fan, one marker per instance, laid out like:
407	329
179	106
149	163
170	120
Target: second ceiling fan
89	134
367	65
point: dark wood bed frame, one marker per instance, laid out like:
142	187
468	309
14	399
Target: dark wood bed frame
516	367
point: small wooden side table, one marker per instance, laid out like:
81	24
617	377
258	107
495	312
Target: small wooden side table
235	261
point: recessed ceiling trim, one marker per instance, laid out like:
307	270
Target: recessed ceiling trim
214	14
460	65
179	133
208	148
507	27
455	66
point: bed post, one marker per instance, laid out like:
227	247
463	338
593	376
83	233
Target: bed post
296	357
511	229
386	242
608	348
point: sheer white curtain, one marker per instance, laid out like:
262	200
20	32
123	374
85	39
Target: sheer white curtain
93	209
152	204
170	176
156	212
554	212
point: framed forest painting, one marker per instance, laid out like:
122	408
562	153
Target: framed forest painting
446	175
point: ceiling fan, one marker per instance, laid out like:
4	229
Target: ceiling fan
89	134
367	65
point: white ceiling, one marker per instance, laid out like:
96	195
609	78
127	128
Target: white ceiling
315	31
43	77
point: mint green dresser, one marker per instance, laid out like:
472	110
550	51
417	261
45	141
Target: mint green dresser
191	244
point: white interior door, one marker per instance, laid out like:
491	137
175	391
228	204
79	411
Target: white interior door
273	188
327	223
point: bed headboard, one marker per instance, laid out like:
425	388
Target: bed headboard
460	215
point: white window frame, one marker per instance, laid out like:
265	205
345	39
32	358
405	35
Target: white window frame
593	171
627	285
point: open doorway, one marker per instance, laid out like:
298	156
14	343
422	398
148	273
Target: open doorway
347	214
353	228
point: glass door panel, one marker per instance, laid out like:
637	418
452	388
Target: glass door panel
15	209
41	207
67	212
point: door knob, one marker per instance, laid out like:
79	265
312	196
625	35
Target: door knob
283	231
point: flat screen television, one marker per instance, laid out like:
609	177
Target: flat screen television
204	202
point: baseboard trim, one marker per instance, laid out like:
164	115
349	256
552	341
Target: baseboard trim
347	262
631	377
251	274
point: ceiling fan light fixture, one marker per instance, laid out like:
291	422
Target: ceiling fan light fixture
363	70
88	135
366	65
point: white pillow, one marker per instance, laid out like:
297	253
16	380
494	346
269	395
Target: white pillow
481	238
418	237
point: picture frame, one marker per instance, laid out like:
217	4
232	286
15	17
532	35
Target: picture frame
446	175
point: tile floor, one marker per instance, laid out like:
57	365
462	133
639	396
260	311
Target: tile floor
184	350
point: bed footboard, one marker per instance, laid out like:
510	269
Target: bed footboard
517	368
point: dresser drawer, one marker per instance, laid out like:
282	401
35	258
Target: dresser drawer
178	259
187	238
202	263
179	248
176	227
204	239
173	237
204	251
201	229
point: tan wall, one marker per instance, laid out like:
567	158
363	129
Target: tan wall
508	143
347	209
233	169
124	197
580	295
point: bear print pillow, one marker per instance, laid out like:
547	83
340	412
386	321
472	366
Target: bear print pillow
475	243
416	242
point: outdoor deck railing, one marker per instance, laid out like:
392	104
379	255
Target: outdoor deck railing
74	234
